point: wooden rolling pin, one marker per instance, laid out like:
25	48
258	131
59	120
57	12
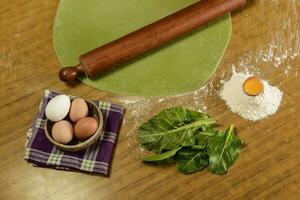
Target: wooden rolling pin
150	37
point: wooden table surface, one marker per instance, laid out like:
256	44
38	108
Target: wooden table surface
265	40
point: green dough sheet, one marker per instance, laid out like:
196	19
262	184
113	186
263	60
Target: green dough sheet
179	67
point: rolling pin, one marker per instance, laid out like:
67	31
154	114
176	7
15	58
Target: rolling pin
148	38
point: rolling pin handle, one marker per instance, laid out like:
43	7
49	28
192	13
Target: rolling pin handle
70	74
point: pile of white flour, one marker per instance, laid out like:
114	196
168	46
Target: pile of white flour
251	108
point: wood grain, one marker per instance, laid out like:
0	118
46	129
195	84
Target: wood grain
268	167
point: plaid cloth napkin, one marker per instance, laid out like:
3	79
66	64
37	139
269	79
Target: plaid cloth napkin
96	159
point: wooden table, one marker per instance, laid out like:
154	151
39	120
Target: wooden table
264	33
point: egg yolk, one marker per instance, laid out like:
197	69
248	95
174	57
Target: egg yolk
253	86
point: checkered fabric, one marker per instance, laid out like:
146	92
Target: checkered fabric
96	159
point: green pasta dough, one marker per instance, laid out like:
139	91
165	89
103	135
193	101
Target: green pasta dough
178	67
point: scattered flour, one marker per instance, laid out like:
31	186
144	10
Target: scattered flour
251	108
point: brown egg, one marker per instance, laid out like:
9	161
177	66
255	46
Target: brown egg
85	128
62	132
79	109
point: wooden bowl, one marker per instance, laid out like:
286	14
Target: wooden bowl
76	145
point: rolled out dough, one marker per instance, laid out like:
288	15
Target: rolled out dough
182	66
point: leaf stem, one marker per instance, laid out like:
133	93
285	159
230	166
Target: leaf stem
196	123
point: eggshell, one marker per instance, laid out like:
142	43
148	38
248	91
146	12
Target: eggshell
62	132
58	108
79	109
85	128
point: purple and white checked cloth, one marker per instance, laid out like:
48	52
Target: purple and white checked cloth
96	159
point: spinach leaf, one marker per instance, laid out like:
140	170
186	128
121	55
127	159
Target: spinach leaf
162	158
189	160
171	129
194	115
223	150
202	138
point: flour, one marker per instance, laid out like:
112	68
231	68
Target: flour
251	108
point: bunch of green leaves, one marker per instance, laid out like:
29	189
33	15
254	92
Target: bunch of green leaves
189	139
